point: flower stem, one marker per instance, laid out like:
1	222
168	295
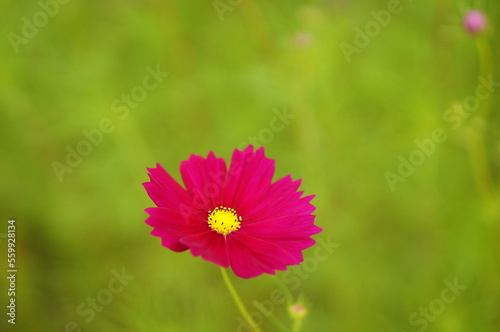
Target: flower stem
297	324
278	323
239	303
486	70
476	147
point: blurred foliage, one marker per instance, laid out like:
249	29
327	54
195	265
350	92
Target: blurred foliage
228	75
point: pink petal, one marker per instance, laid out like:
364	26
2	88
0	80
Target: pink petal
290	235
170	225
209	245
205	180
251	257
281	199
250	175
164	190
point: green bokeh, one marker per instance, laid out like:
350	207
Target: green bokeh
229	74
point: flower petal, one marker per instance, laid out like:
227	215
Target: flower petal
281	199
209	245
164	190
292	234
250	175
171	225
205	180
251	256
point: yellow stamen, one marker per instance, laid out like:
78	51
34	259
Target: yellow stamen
223	220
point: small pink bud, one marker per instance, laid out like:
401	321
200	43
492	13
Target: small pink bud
474	21
297	310
303	40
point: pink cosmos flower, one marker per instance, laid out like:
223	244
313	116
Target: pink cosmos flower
232	216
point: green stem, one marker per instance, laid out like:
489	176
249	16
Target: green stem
239	303
278	323
283	287
297	324
478	157
475	137
486	70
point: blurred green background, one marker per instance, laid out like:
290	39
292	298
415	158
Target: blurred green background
231	69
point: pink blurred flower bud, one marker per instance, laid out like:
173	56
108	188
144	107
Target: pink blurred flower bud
297	310
303	40
474	21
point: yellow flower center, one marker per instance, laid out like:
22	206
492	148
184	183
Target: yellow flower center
223	220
